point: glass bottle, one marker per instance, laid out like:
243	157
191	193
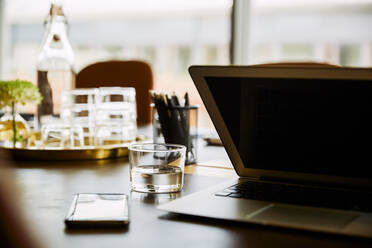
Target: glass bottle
55	71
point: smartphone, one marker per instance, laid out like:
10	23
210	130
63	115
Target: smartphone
98	210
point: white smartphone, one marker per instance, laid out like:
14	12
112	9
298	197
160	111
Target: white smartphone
96	210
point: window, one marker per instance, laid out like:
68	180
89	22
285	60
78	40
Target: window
184	56
211	55
335	31
171	35
168	34
350	55
296	52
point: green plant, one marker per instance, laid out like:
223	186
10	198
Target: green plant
17	91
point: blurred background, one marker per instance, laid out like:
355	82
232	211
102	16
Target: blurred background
171	35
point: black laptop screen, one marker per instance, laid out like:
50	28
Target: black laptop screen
299	125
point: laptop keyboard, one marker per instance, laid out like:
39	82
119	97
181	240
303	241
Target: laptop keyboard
301	195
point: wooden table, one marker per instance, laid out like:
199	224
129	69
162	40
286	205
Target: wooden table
47	189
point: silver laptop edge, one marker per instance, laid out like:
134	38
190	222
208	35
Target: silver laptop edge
206	204
199	73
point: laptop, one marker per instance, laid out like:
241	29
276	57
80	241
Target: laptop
300	140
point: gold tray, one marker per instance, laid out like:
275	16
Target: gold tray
66	154
94	153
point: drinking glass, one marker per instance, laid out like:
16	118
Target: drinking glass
156	168
78	107
62	136
182	131
116	115
108	133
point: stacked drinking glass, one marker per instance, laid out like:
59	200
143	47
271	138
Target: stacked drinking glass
116	114
79	109
106	115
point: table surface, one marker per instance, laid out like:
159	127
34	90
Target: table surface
47	189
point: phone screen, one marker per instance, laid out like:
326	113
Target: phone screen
96	209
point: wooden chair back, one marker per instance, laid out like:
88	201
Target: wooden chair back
131	73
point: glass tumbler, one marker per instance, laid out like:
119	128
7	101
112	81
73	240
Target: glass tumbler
78	108
62	136
116	115
157	168
182	130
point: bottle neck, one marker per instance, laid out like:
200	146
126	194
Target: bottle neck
56	49
57	25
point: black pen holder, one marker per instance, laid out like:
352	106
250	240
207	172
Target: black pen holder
181	127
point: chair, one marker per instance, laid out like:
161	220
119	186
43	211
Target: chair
129	73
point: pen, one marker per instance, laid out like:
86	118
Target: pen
162	110
187	99
176	121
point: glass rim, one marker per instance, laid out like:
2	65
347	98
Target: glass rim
138	147
115	88
83	91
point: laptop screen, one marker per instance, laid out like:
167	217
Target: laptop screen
299	125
